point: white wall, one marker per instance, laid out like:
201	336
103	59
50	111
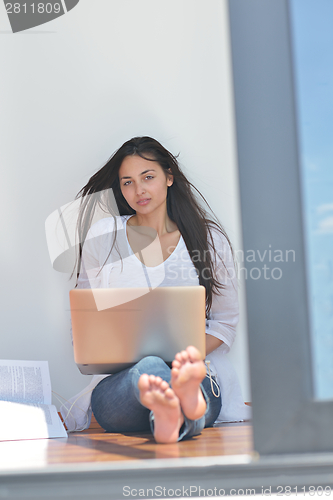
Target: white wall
72	91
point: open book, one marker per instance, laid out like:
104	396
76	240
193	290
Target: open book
25	402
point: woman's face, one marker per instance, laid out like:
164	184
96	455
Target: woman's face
143	184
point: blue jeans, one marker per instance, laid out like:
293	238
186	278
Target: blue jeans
116	403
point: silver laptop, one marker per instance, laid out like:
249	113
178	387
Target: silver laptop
114	328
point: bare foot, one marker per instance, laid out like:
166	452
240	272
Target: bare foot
157	395
188	371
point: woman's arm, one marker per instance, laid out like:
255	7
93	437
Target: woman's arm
223	317
212	343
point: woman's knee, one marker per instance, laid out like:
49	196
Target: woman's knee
131	419
153	365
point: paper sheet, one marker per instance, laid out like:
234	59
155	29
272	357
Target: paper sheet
25	381
25	402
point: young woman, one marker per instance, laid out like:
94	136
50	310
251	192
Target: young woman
156	203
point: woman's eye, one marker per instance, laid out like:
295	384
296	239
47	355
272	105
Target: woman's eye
126	183
149	177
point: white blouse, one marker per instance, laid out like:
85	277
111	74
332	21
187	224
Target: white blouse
122	269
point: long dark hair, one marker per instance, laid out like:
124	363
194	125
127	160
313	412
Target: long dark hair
183	208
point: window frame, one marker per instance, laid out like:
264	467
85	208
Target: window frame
286	417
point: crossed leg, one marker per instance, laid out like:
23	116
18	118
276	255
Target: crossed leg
167	403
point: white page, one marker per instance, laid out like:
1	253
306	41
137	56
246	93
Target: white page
24	454
25	381
29	421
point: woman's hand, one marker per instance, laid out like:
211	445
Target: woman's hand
212	343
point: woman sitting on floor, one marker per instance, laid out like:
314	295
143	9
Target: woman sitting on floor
151	192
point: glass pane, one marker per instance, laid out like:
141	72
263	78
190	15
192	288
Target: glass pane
312	38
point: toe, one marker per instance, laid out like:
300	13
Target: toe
178	357
169	393
193	353
185	356
164	385
176	364
143	383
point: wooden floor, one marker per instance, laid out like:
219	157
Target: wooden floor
96	446
96	465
